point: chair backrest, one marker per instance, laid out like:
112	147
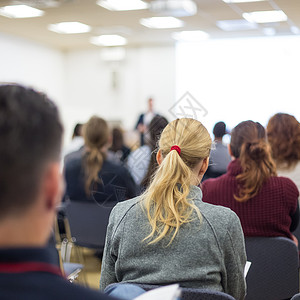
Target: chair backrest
274	270
193	294
88	223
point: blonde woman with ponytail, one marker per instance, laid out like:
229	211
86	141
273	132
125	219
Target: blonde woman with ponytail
168	235
90	176
265	203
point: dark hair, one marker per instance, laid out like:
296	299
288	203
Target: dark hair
283	132
117	140
156	126
77	130
248	143
31	136
96	134
219	129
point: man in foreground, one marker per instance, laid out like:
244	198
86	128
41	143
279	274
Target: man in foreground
30	191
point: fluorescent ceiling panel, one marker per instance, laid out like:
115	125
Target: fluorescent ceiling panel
20	11
69	27
190	36
270	16
236	25
108	40
162	22
121	5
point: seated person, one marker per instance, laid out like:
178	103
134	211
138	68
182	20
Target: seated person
219	156
31	188
265	203
90	176
283	132
180	239
142	162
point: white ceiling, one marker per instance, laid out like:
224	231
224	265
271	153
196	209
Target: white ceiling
127	23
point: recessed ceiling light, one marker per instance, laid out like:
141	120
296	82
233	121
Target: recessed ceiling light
236	25
162	22
108	40
241	1
20	11
123	4
271	16
69	27
190	36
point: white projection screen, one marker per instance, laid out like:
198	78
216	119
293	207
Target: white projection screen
241	79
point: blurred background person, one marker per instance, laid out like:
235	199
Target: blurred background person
90	176
142	162
219	156
144	121
118	151
267	205
77	140
283	132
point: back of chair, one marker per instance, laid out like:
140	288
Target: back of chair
193	294
274	270
88	222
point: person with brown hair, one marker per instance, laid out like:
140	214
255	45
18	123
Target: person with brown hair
168	235
265	203
90	176
283	131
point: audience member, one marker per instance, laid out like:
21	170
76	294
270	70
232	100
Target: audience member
91	176
144	121
179	237
77	140
219	156
283	132
266	204
142	162
118	152
31	188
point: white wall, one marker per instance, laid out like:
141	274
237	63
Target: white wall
81	83
145	72
32	64
241	79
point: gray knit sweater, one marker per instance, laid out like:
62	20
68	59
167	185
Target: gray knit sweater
207	255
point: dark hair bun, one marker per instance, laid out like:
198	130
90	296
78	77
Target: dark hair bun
256	150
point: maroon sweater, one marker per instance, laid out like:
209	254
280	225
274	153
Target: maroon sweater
269	213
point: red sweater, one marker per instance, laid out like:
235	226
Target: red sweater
269	213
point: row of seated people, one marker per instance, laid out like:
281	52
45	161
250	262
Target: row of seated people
266	205
168	234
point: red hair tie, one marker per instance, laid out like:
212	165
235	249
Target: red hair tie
177	148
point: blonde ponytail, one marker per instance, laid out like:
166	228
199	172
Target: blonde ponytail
166	200
95	133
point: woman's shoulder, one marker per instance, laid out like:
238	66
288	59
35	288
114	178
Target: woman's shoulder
122	208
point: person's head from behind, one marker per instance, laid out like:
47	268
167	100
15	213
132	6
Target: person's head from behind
117	139
30	181
183	155
96	139
249	145
283	132
77	130
219	130
156	126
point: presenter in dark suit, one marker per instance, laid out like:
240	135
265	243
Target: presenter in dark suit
144	121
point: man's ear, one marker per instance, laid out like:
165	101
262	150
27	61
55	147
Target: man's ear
159	157
52	186
204	166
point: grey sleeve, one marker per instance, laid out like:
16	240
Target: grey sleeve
235	260
108	274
